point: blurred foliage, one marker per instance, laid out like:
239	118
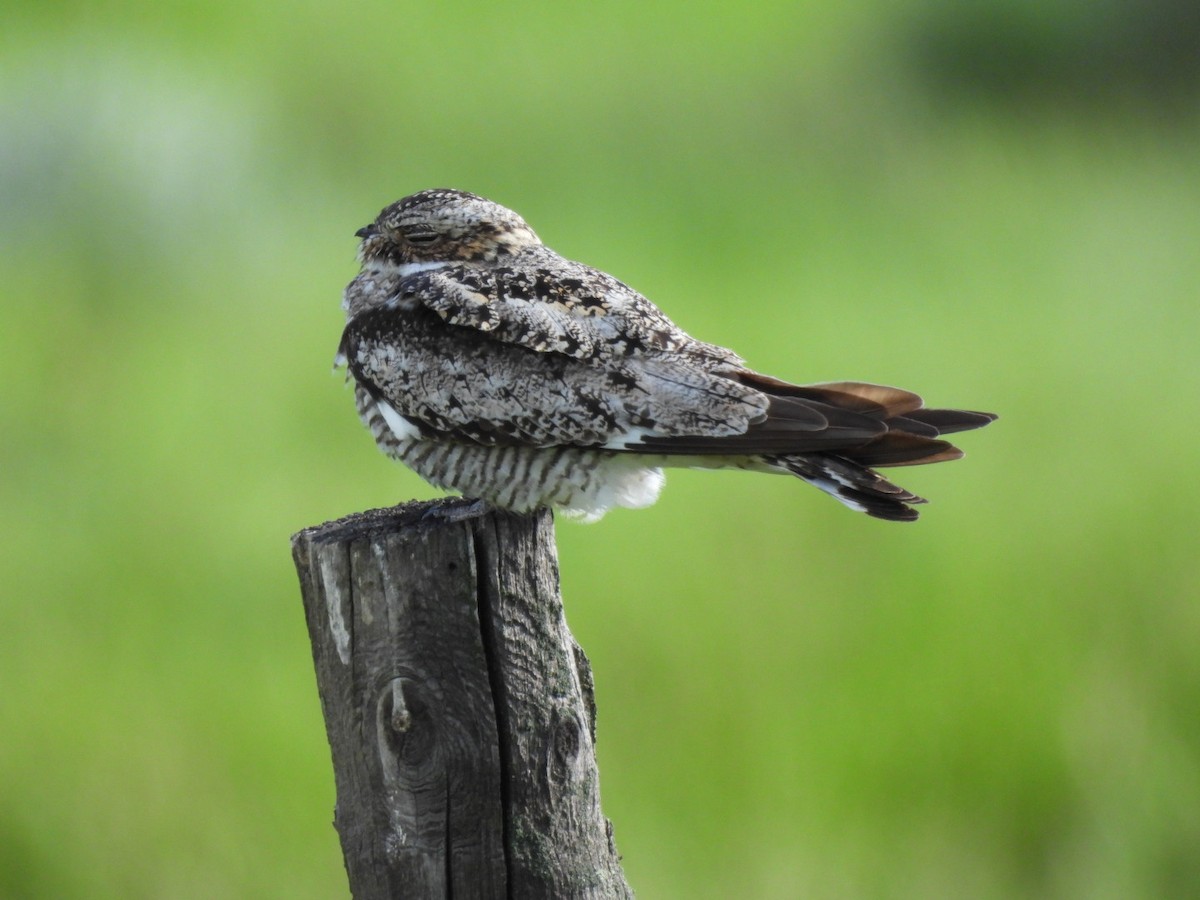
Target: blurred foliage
794	701
1142	55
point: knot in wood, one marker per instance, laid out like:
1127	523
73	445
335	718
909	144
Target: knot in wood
408	733
401	718
566	738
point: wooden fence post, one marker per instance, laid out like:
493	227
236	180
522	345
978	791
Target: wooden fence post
458	707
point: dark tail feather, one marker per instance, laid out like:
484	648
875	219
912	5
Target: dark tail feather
913	439
948	421
854	485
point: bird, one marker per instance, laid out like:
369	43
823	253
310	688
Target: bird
496	368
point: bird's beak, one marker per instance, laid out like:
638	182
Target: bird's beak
367	231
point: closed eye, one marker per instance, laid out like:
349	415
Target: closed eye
421	237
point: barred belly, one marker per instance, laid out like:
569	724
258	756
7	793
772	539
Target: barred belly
579	482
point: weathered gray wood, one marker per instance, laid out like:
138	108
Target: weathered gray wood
458	707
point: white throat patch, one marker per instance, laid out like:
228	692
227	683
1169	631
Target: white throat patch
403	270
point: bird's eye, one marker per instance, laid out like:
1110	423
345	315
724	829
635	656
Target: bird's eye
423	236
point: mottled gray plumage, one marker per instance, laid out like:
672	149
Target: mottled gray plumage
495	367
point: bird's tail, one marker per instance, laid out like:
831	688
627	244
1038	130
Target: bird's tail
914	437
854	485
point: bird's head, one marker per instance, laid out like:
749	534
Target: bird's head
443	226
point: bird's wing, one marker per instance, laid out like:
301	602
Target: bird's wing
561	307
479	386
528	356
871	424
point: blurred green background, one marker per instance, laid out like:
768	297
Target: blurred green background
996	204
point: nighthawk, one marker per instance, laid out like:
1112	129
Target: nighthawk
494	367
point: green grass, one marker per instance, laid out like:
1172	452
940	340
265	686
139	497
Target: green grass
793	700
